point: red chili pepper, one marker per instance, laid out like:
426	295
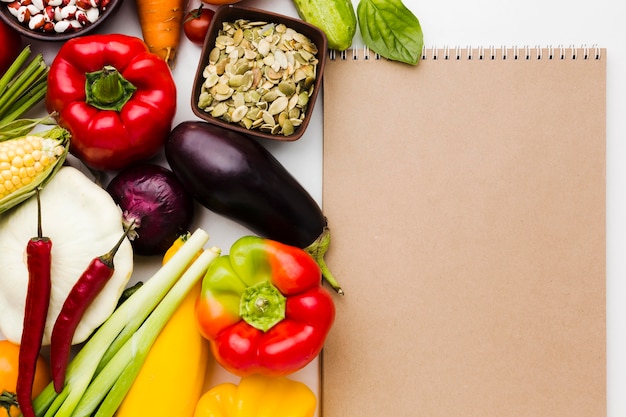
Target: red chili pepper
38	261
84	291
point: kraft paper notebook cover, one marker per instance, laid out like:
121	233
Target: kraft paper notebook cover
466	200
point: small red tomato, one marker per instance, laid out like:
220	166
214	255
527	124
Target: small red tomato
11	42
196	24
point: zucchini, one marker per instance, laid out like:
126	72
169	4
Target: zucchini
336	18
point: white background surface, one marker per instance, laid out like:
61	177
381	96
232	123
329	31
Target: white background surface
456	23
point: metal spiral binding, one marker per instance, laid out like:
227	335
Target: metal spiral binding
482	53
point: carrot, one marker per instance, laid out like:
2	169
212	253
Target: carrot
161	24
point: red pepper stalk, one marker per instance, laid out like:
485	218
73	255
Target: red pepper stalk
84	291
263	309
38	261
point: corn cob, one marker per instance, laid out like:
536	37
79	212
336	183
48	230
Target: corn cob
28	162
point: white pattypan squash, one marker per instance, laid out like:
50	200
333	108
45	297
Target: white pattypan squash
83	222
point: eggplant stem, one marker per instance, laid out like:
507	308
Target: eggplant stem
317	250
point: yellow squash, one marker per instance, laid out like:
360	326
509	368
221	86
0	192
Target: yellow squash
258	396
175	368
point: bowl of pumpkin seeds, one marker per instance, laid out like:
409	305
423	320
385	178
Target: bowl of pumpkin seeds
259	73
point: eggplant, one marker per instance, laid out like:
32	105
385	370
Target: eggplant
234	176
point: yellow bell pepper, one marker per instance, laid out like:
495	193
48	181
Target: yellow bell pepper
175	367
258	396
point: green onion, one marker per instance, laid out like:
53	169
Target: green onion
86	369
22	86
114	381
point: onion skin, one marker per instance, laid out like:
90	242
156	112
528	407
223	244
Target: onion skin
236	177
152	198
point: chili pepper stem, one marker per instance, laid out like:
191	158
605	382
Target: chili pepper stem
132	223
107	258
39	228
317	250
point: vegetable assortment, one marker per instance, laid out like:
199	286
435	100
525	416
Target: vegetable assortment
83	222
387	27
103	370
118	181
249	185
186	352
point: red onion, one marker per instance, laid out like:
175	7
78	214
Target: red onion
154	201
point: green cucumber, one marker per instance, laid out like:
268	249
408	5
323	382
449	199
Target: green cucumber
336	18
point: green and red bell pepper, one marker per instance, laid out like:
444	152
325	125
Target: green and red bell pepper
116	98
263	309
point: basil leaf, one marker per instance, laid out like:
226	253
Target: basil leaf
391	30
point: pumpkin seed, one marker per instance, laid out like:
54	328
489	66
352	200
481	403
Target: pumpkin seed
270	95
219	110
268	118
278	105
239	113
288	128
259	75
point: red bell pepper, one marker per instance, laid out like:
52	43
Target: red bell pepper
263	309
116	98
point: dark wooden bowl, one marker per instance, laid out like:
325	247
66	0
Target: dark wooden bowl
39	35
231	13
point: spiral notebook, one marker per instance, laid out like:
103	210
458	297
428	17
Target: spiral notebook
466	200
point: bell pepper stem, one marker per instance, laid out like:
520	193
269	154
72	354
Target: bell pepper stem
107	89
317	250
262	306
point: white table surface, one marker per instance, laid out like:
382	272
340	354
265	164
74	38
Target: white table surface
456	23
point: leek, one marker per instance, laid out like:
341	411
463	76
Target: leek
118	375
116	330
